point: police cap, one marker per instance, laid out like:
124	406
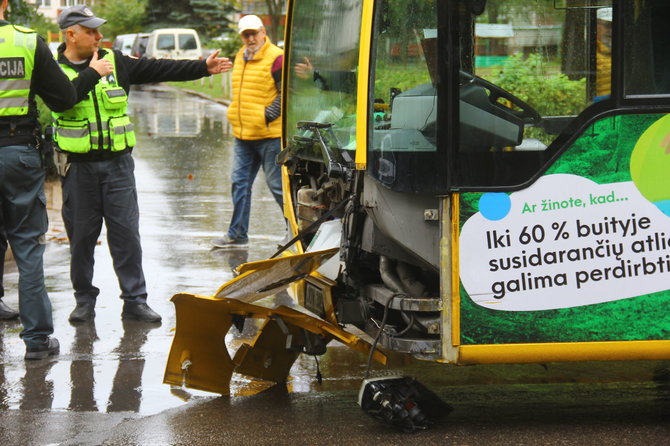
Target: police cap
79	15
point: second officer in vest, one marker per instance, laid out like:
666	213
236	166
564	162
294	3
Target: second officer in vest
27	69
97	137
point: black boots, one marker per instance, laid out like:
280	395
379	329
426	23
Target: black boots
139	311
50	347
82	312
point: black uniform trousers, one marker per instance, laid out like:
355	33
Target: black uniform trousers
93	191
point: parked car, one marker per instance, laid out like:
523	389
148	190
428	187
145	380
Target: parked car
174	43
139	45
124	43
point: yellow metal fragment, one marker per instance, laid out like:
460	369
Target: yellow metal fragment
268	358
267	277
200	336
202	325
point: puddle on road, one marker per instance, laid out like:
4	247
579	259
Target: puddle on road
182	165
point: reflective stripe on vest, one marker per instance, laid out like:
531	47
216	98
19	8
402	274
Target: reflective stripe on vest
78	130
17	60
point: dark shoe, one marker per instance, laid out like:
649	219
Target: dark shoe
82	313
50	347
226	241
6	313
139	312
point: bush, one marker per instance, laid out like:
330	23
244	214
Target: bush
402	77
551	94
229	44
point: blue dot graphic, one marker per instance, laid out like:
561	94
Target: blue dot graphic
495	205
664	206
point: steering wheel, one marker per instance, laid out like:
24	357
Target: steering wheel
523	110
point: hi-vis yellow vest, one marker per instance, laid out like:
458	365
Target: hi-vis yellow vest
98	122
253	90
17	60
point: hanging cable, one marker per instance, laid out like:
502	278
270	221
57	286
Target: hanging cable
379	333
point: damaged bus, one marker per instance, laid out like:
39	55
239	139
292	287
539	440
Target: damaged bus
468	182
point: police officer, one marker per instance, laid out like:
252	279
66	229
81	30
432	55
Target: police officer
27	68
97	137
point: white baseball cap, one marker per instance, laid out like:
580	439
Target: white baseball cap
250	22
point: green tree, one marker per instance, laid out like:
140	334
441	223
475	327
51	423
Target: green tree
401	18
275	11
209	17
123	16
22	13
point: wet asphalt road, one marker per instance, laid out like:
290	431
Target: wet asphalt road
106	385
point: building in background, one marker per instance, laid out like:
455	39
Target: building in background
51	8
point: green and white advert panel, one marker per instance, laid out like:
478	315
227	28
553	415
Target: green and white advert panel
581	255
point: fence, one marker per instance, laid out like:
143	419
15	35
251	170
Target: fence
220	85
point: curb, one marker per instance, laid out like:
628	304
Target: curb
166	87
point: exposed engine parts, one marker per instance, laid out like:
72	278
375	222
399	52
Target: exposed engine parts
377	264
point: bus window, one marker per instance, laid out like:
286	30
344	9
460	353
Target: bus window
527	69
603	52
647	49
323	54
533	68
401	153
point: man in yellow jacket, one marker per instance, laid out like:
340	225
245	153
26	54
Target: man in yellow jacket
254	115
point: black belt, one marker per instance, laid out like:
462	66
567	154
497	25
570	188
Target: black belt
7	131
95	155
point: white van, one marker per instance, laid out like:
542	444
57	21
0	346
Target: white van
124	43
174	43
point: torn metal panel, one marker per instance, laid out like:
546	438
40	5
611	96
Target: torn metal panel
271	354
199	357
267	277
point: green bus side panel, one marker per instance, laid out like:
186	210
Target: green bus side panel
581	255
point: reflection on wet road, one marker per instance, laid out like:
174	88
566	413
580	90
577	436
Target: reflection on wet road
106	385
183	158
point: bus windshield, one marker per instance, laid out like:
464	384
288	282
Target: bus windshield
323	56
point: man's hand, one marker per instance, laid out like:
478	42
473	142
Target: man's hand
304	70
216	65
102	66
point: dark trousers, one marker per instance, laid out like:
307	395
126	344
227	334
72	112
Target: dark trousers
250	155
3	253
23	210
93	191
